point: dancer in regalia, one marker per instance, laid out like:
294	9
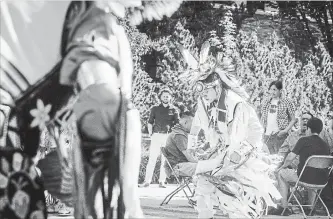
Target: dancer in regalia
235	176
50	51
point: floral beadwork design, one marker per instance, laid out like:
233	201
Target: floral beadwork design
21	190
37	215
20	203
3	202
40	114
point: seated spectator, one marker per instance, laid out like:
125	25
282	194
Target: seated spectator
327	193
327	135
290	142
180	158
305	147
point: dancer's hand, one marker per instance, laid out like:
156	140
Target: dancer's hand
235	157
282	133
278	170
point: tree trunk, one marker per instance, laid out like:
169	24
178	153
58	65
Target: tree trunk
306	23
251	8
330	9
328	32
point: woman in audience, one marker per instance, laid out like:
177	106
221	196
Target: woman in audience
278	117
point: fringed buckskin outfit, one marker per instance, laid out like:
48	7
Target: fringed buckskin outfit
51	51
236	177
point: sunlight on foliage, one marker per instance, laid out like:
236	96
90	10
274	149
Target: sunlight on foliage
258	64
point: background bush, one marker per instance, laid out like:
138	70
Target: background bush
258	64
263	49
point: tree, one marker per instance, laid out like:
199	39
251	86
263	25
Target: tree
143	85
306	81
258	64
169	64
312	16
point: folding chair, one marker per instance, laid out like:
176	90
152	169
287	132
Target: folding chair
182	184
319	162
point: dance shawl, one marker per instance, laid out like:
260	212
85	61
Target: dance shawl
249	179
214	120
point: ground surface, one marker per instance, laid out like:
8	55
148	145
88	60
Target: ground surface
178	207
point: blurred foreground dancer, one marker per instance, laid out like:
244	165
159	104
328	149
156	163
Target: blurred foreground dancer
95	65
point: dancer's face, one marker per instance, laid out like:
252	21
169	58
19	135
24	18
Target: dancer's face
207	68
210	94
257	102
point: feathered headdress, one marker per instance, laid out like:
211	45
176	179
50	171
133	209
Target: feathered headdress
207	65
198	69
138	10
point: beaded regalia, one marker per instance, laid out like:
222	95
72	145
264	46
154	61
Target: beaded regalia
236	176
50	52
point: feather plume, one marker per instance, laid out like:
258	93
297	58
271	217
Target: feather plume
188	57
151	10
247	191
27	8
138	10
116	7
204	52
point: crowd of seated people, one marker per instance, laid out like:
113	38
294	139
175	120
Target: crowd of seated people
311	138
308	144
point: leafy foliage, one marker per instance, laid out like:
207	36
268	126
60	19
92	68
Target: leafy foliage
145	89
306	78
312	13
258	64
173	65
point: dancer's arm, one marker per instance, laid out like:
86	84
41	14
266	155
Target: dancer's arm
237	132
238	129
189	156
201	118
